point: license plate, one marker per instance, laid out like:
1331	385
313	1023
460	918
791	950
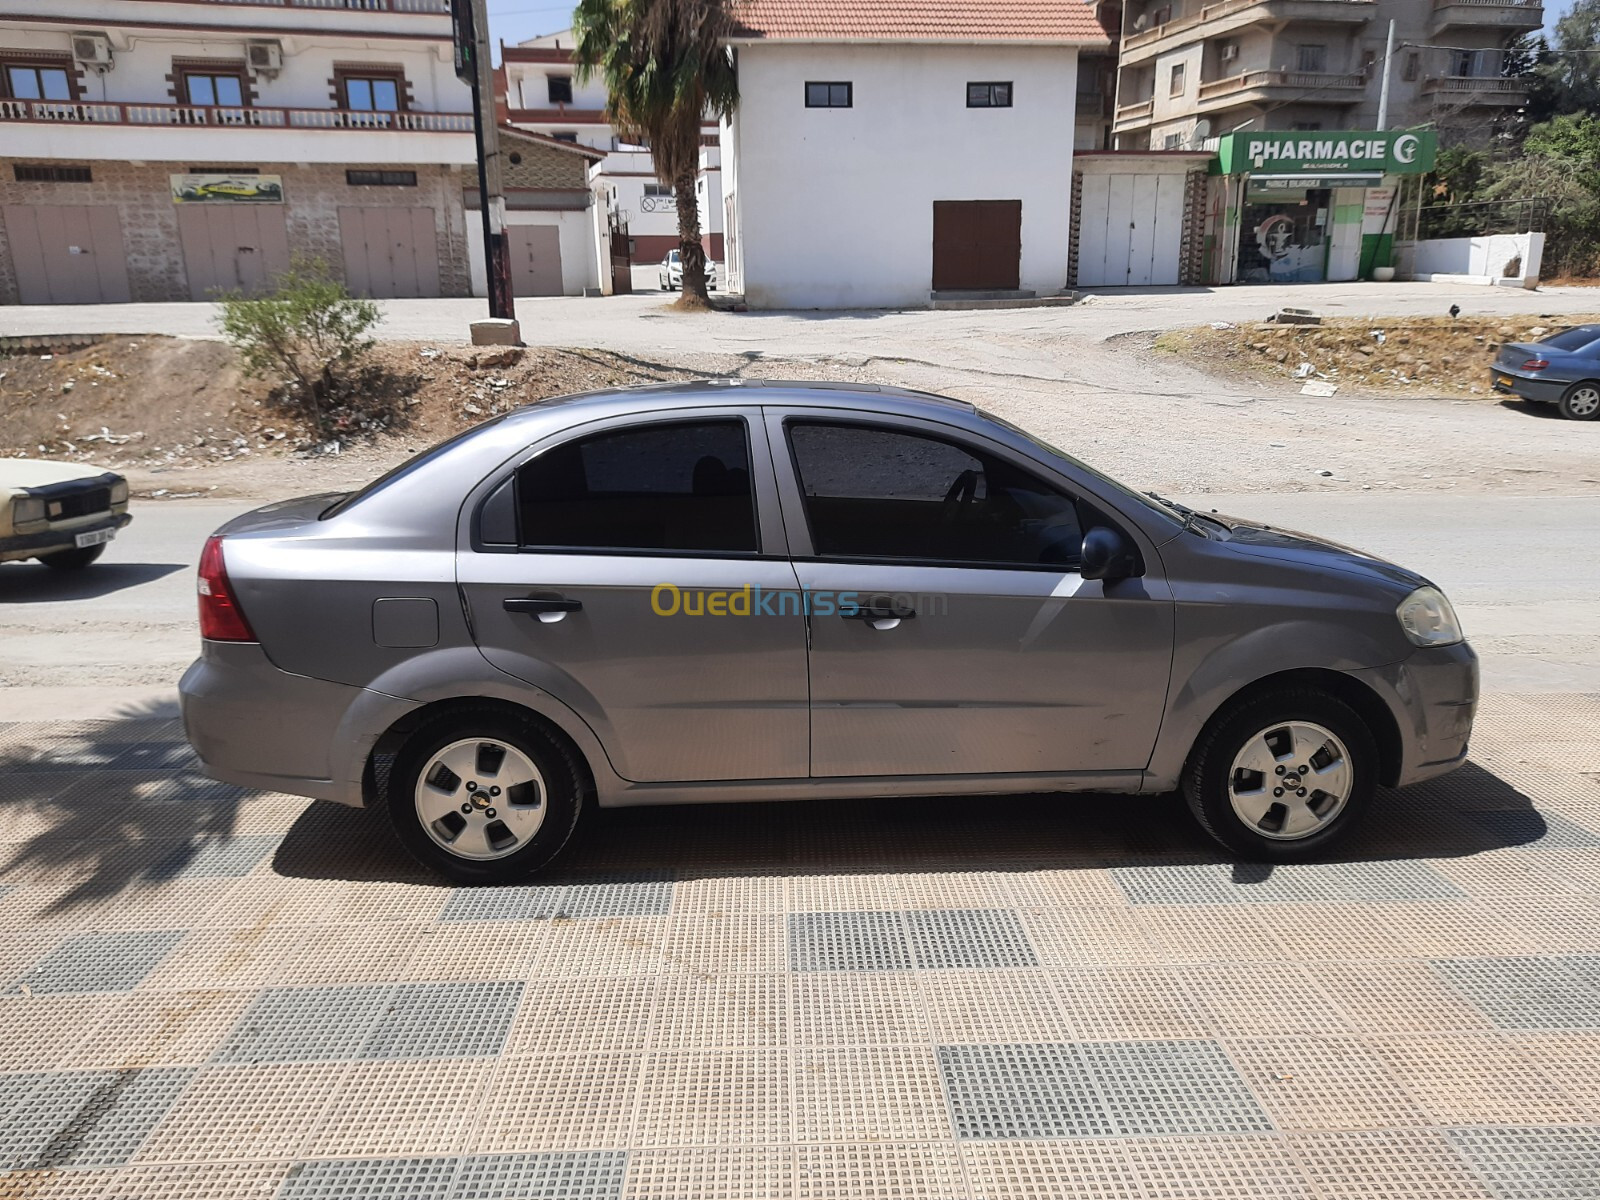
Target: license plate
1503	380
95	537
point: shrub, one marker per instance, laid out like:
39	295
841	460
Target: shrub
308	332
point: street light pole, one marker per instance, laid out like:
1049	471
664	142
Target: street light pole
1383	93
475	68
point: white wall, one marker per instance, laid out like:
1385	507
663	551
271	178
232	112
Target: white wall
579	266
1485	257
836	205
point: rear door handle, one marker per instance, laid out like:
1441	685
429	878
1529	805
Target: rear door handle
880	617
547	608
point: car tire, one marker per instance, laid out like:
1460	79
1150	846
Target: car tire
1581	401
1249	820
73	560
557	799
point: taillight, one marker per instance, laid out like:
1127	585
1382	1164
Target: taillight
220	618
1536	364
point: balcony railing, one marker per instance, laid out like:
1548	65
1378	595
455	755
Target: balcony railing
1318	84
1488	86
1212	12
61	112
1529	4
1135	112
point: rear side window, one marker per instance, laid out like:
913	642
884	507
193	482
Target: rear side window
662	487
1572	339
887	494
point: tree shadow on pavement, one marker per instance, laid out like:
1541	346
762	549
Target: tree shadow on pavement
26	583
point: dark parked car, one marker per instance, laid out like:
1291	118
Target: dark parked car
1562	369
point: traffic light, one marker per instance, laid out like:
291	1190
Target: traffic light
466	41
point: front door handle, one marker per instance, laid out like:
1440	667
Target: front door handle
880	616
547	608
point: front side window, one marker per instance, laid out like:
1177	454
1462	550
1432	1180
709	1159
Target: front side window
877	493
830	95
376	93
683	486
223	91
988	95
38	83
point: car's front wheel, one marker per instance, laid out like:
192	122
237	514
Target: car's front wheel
485	797
73	560
1581	402
1283	776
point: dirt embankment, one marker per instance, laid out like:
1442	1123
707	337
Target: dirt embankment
179	418
1430	356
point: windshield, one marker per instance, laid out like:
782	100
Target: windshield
672	257
401	469
1121	489
1572	339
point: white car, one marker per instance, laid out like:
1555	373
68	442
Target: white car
63	514
670	274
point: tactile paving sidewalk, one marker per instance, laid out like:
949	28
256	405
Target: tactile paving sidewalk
211	993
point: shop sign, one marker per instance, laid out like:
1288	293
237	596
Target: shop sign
1350	152
225	189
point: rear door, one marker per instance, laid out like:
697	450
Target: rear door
950	631
628	568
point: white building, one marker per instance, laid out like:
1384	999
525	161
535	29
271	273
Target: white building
882	151
542	95
168	149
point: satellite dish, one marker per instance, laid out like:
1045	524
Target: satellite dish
1202	130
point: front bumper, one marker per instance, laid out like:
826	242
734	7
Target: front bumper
1433	695
258	726
1510	383
31	545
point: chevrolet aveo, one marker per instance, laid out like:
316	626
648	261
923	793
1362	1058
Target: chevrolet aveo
730	592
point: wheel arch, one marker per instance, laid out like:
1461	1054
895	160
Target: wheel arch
1367	703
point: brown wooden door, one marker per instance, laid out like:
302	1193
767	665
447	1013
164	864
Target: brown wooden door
229	247
977	244
67	253
535	259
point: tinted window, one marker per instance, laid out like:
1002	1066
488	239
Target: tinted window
881	493
657	487
1571	339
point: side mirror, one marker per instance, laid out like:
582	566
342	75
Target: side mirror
1107	554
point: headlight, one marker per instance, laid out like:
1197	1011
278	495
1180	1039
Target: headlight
119	492
1428	619
25	510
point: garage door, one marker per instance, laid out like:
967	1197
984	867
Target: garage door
535	259
389	251
67	253
1130	230
232	247
977	244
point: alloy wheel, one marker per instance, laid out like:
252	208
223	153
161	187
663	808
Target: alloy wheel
480	798
1290	780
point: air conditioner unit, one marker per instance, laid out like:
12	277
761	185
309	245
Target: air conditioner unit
1230	51
264	57
92	50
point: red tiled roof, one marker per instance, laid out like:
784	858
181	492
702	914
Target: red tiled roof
1059	21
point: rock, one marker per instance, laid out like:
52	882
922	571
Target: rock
506	357
1505	333
1325	474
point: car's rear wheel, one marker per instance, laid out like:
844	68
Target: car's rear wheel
1282	776
483	796
73	560
1581	402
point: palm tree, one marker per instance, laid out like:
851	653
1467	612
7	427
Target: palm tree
665	65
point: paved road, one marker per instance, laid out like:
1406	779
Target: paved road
1523	572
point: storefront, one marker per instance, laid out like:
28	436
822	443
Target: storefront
1299	207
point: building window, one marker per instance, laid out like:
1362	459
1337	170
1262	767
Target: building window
1228	50
1305	126
213	91
560	88
214	170
830	95
381	178
1311	58
1413	66
565	135
658	189
1173	141
372	93
50	173
988	95
38	83
1469	62
1175	80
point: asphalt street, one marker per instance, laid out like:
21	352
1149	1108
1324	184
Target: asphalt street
1523	573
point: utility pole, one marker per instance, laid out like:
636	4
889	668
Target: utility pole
475	68
1383	94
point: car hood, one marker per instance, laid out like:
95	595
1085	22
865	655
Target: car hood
32	472
1305	549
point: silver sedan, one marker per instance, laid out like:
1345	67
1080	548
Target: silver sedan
766	591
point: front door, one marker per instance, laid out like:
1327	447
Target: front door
622	571
977	245
950	630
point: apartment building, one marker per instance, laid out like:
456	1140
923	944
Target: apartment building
540	93
1190	70
171	149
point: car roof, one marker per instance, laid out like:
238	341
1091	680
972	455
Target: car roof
715	393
